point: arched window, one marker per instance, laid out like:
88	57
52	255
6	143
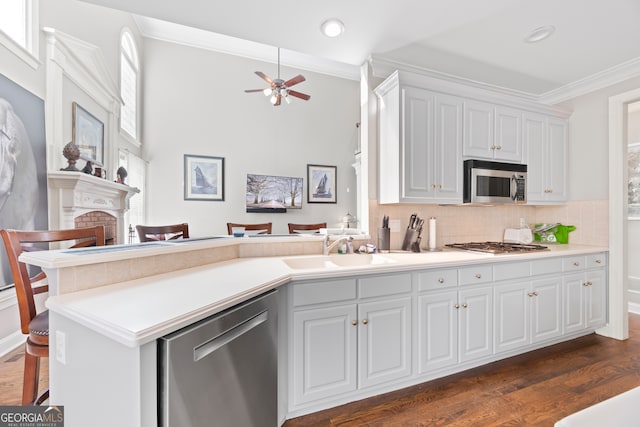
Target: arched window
129	71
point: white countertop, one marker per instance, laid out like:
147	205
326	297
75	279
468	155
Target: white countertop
139	311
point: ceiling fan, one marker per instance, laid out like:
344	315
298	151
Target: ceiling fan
278	88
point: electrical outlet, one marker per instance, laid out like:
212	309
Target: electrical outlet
61	350
394	225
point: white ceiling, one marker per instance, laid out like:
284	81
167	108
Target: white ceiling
479	40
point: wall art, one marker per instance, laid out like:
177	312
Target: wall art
203	178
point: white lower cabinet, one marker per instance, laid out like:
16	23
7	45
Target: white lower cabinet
358	341
585	300
453	327
527	312
354	337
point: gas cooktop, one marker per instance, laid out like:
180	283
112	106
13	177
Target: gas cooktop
498	247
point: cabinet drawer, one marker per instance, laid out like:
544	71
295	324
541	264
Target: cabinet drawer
512	270
321	292
546	266
597	260
576	263
437	279
384	285
475	274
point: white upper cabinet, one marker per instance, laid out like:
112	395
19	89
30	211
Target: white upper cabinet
546	141
420	145
492	132
427	127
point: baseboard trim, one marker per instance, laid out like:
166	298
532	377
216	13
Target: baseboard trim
11	342
634	307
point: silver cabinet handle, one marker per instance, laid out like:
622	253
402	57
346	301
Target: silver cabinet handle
577	264
365	321
499	147
598	261
457	306
440	280
354	322
530	294
465	305
478	276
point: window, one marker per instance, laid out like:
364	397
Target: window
19	29
129	85
633	159
136	170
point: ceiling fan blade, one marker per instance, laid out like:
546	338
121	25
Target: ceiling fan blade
264	77
295	80
254	90
299	95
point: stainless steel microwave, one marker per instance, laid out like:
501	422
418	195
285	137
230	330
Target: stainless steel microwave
494	183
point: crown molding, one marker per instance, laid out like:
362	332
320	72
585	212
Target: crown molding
194	37
602	79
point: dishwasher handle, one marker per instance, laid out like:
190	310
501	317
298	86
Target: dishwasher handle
203	350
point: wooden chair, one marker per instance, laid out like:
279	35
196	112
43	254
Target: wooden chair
150	233
36	325
293	228
264	228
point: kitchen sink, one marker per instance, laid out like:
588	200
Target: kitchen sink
307	263
335	261
360	259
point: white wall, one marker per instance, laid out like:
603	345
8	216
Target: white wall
196	104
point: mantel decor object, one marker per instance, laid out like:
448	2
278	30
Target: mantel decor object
71	152
88	135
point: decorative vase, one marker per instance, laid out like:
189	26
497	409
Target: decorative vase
71	152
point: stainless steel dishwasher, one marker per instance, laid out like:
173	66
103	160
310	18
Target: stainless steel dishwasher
222	371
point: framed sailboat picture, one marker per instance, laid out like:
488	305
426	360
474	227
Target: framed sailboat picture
203	178
322	184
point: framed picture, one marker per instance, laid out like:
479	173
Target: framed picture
322	184
88	134
274	194
203	178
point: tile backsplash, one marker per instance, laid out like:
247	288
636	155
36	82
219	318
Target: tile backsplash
475	223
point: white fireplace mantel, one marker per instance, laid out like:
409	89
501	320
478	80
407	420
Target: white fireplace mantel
72	194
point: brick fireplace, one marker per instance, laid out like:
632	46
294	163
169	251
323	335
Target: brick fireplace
77	200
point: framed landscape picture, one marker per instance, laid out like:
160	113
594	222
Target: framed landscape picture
203	178
322	184
275	194
87	132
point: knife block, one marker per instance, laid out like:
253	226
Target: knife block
411	237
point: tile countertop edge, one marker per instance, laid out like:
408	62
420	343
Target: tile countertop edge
273	273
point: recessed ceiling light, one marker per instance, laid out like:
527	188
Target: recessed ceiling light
540	34
332	27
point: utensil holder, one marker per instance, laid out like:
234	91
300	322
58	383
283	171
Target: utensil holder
410	237
384	238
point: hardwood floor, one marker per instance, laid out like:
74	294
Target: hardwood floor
11	370
534	389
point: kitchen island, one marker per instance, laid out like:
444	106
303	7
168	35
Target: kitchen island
103	340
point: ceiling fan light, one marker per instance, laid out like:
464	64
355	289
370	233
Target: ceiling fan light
332	27
274	99
267	91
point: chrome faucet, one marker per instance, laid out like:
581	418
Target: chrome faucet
326	247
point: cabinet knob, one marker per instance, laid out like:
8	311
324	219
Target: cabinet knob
577	264
365	321
465	305
535	294
457	306
439	186
354	322
598	261
530	294
493	147
587	283
478	276
440	280
499	147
